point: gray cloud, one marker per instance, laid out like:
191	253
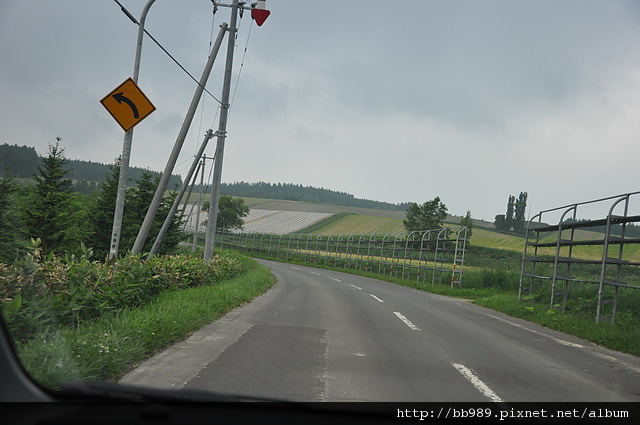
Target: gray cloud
467	100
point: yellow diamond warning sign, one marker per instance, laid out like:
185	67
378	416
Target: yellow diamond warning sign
127	104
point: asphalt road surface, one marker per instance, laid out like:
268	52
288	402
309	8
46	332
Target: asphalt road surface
321	335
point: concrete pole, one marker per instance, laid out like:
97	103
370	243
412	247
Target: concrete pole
126	147
183	189
196	228
164	180
221	134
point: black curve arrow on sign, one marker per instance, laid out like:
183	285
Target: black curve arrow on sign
119	97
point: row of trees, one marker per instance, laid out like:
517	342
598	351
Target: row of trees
23	162
298	192
514	219
64	220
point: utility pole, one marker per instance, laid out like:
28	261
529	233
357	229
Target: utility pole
164	180
221	134
183	189
196	228
126	148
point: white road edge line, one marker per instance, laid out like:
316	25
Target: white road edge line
476	382
571	344
376	298
357	287
406	321
560	341
333	278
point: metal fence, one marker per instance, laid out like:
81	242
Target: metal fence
421	255
575	252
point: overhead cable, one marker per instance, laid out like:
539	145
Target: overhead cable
135	21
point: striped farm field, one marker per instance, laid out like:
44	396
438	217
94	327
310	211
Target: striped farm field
355	224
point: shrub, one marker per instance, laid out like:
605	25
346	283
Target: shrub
38	293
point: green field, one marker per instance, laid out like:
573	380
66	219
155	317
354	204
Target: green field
360	224
365	221
482	237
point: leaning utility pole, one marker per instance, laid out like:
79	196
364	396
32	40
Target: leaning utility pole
196	227
128	140
259	13
164	180
176	202
221	134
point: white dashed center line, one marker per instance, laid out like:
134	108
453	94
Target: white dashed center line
406	321
376	298
333	278
357	287
476	382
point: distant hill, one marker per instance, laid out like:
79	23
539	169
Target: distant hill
297	192
23	162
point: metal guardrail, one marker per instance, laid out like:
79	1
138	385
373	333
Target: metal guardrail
408	255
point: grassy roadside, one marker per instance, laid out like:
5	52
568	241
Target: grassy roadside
500	296
107	348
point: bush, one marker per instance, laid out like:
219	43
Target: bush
38	293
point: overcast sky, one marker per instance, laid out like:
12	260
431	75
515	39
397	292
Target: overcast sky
394	101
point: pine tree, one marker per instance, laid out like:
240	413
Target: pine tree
136	206
102	209
48	215
8	236
174	233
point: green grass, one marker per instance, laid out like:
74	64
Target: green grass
324	223
349	224
623	336
108	347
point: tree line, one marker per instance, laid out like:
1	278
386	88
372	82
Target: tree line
23	161
298	192
69	222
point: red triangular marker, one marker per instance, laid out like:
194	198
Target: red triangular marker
260	15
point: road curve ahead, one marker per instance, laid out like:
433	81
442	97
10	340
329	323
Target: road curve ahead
321	335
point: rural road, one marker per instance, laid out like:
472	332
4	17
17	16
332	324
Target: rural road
321	335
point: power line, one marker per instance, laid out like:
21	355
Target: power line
244	55
135	21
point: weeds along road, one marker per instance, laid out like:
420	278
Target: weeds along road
320	335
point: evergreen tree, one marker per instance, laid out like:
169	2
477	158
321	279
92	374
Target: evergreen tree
19	161
102	209
137	203
8	236
48	215
174	233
